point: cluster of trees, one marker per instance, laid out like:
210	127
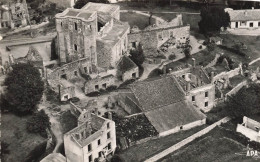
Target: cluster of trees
80	3
245	103
38	123
212	19
24	90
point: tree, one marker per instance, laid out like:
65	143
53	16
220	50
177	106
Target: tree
246	102
24	88
186	51
80	3
137	55
38	123
212	19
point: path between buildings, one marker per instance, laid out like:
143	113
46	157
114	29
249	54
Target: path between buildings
186	141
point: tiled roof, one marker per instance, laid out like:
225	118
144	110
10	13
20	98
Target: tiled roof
157	93
173	115
244	15
126	64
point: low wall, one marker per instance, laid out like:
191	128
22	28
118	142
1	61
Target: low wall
142	141
227	74
236	88
213	62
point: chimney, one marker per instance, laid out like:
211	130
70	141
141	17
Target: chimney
212	76
188	86
109	115
193	62
253	8
245	13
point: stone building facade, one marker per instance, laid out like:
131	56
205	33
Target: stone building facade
244	19
249	128
90	40
33	57
14	14
197	86
93	138
154	36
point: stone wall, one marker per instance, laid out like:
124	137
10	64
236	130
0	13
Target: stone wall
227	74
236	88
99	83
200	97
131	74
184	127
76	43
68	71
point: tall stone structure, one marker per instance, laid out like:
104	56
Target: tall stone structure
76	31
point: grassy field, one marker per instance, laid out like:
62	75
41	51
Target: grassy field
143	151
252	43
215	146
15	134
135	19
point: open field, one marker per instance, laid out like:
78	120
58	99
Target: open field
145	150
208	149
218	145
252	43
15	134
134	19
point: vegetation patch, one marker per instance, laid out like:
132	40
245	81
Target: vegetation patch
19	142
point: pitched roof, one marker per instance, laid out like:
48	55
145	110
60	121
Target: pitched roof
157	93
126	64
244	15
173	115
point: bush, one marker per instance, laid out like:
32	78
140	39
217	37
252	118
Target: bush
38	123
51	95
233	50
68	121
93	94
172	57
111	88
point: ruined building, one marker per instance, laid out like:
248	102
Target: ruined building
152	37
93	138
14	14
91	41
